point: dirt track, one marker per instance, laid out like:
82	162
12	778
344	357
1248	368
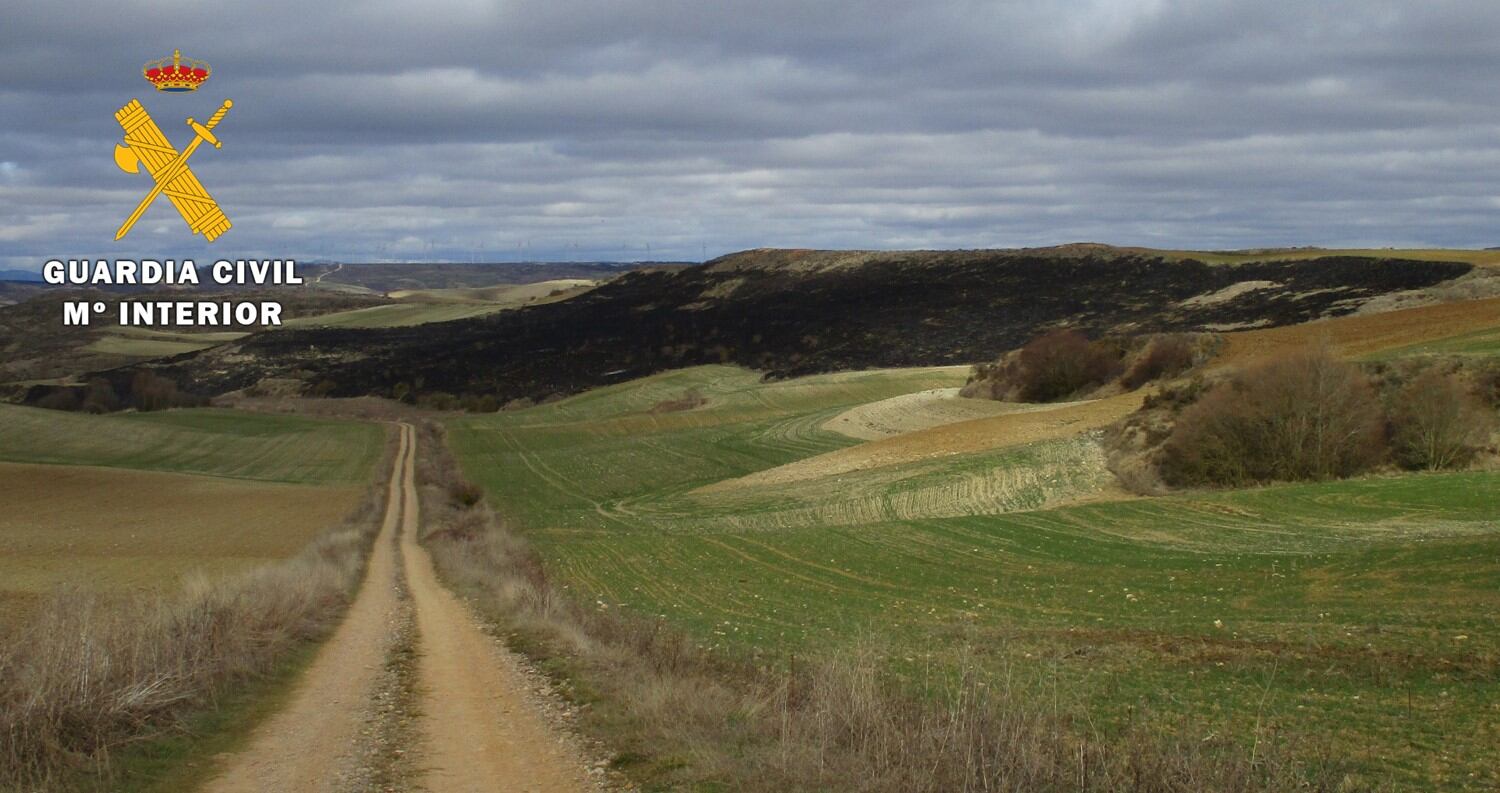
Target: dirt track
477	729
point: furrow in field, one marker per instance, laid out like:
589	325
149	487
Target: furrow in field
964	437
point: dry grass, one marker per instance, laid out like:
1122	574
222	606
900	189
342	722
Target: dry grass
97	672
367	408
681	717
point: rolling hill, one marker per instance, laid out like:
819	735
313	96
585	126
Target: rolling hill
789	313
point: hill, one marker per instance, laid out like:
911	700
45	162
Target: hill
386	278
788	313
35	345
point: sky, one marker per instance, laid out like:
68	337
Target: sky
505	130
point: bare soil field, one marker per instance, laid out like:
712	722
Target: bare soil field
73	525
1361	335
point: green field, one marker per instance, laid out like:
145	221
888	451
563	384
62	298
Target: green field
214	442
1480	343
1359	618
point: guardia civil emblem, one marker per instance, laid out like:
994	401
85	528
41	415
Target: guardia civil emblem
145	144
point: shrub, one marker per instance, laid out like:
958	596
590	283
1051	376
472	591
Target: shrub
1308	416
1487	382
100	397
60	399
438	400
1050	367
1437	422
150	391
519	403
1064	362
485	403
1165	355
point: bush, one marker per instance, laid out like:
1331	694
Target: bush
60	399
1308	416
1165	355
1050	367
150	391
100	397
1487	383
1437	422
438	400
1065	362
485	403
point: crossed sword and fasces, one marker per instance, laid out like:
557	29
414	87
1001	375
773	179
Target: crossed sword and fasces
144	143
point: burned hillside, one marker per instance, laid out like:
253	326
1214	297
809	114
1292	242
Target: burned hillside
789	313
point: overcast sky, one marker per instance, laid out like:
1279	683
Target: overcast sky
551	129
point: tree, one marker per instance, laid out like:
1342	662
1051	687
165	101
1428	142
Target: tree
1436	422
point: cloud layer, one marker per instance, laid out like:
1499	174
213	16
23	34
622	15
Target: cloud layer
545	129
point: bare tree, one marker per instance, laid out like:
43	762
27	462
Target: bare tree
1436	422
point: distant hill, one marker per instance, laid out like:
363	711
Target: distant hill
414	276
790	312
382	277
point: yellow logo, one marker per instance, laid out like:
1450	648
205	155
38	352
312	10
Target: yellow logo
145	143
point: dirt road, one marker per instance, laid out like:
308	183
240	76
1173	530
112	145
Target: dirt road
480	732
477	729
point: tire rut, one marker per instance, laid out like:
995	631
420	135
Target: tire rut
476	729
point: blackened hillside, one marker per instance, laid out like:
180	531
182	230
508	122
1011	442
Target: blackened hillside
797	312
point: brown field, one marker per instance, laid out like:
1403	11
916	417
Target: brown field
1355	336
74	525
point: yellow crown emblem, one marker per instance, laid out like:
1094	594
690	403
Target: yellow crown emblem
173	74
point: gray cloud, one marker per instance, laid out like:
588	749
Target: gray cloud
535	129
